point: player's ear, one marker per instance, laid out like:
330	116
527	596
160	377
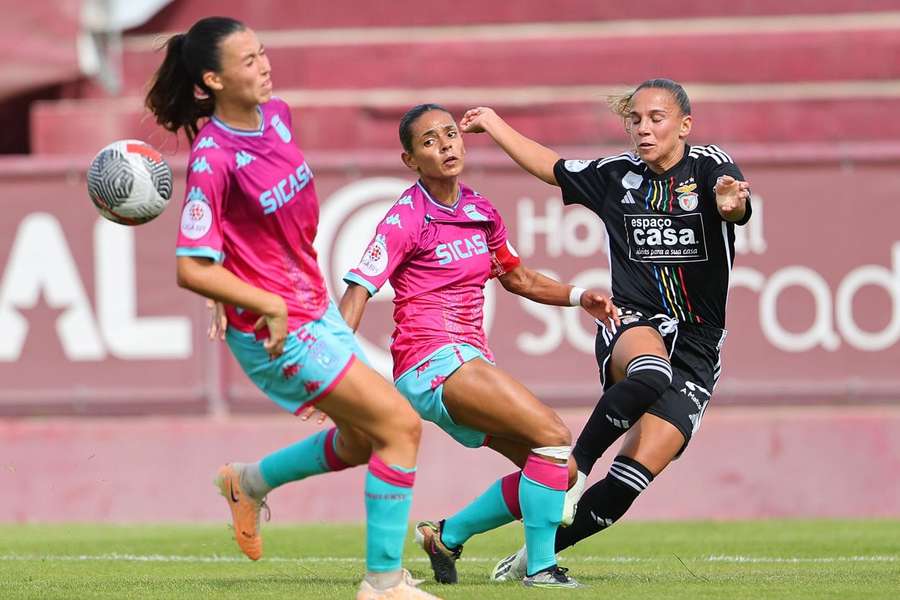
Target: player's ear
686	122
409	161
212	81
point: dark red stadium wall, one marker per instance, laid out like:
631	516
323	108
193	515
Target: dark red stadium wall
93	321
744	463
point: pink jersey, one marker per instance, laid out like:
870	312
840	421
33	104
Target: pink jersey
437	259
251	204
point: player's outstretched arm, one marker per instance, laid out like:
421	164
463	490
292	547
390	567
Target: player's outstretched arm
353	304
212	280
530	155
538	287
731	197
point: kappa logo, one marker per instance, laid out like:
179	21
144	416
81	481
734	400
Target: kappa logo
197	194
205	143
201	165
242	159
405	201
627	198
393	220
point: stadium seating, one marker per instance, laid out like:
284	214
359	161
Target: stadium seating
758	72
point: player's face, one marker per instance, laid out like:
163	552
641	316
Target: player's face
657	126
246	75
437	147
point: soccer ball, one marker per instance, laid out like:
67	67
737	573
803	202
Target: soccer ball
129	182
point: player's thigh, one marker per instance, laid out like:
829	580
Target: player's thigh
632	342
653	442
367	402
484	397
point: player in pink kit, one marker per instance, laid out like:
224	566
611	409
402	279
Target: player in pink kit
247	228
438	245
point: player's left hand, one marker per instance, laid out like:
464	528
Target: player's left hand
600	307
731	194
311	411
218	322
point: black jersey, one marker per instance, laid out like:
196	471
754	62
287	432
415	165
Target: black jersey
670	251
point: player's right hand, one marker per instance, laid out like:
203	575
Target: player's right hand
218	322
311	411
476	119
276	323
600	307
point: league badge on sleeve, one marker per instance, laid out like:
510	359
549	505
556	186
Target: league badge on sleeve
375	260
196	216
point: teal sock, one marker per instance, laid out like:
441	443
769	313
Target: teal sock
388	499
542	492
488	511
310	456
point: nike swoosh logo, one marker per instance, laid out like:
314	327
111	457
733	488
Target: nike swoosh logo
231	491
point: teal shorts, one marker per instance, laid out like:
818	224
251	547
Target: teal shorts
423	386
316	357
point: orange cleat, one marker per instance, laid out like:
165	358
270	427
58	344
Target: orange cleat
245	511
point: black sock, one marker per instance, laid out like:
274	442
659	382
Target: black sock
606	501
647	377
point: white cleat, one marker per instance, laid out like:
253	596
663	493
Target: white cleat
570	505
512	568
405	590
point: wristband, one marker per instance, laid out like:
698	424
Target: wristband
575	296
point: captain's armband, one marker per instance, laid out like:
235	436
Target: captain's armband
503	260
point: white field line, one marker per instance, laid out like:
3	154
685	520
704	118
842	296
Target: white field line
869	21
175	558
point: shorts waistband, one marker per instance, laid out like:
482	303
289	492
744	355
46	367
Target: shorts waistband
707	333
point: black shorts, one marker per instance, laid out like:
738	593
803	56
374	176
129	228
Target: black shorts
694	354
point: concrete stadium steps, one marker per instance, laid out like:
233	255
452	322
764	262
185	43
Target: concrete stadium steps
83	127
578	56
280	14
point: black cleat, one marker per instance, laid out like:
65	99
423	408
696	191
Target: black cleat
443	559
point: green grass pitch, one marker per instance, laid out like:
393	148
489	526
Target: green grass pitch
745	560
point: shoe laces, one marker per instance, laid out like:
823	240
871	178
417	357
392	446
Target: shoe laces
263	507
453	553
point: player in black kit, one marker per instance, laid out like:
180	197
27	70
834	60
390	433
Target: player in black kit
669	210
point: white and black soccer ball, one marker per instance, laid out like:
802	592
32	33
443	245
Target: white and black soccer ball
129	182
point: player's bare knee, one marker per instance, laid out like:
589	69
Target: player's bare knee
407	427
554	433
